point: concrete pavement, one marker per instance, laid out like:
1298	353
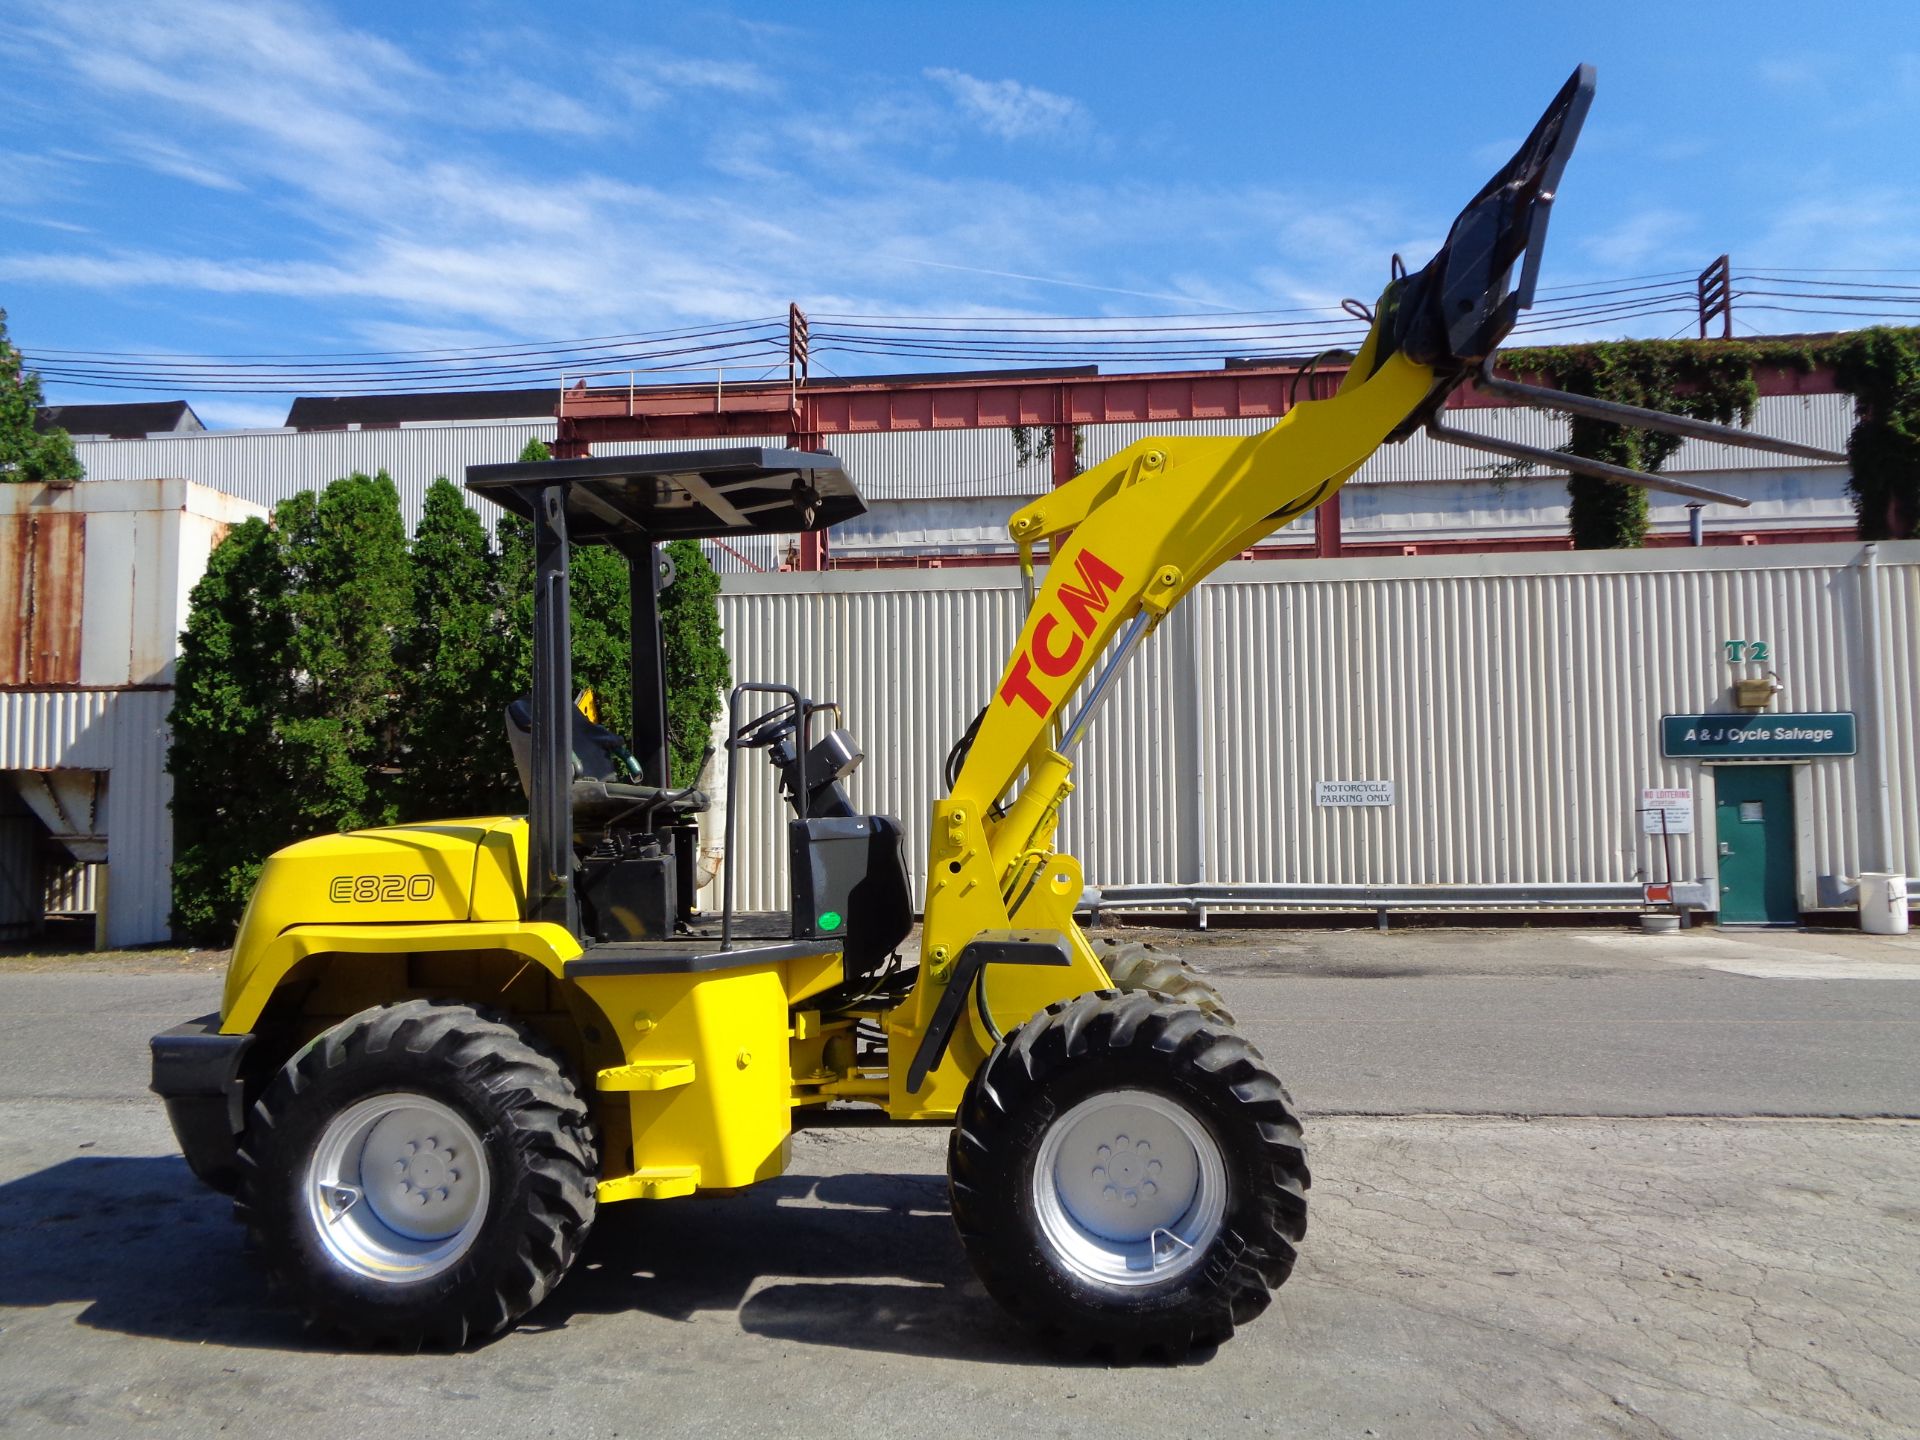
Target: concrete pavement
1466	1274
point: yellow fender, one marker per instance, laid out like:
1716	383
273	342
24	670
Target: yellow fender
548	946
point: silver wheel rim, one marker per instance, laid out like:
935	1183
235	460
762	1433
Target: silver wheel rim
1130	1188
397	1187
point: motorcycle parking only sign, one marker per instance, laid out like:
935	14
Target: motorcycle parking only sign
1353	792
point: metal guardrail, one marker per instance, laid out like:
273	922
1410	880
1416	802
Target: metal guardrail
1384	898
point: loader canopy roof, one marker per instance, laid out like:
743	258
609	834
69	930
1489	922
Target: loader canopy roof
627	500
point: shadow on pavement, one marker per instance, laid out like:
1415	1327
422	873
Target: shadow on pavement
145	1247
867	1262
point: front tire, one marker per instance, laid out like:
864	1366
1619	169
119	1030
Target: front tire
1139	965
1128	1177
421	1174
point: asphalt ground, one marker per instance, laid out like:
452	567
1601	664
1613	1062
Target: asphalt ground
1551	1196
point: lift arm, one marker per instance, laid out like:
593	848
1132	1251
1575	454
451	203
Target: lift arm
1130	538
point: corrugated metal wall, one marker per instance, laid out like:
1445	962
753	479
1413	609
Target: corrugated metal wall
266	466
1514	701
1825	421
42	562
74	889
123	732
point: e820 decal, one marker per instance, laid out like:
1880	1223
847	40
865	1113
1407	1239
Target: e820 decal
379	889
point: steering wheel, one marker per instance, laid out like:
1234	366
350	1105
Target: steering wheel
769	727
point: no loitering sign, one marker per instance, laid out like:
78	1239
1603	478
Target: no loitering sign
1666	811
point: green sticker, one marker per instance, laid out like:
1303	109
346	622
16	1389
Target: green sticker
830	920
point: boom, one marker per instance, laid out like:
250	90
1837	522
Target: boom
1128	540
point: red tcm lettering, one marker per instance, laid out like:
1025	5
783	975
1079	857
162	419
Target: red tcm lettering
1056	649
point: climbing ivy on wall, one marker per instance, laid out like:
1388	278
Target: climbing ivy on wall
1035	442
1708	381
1880	368
1714	380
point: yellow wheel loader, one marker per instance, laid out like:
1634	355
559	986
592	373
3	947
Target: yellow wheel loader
443	1046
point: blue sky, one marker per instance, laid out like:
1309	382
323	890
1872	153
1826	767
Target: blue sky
220	178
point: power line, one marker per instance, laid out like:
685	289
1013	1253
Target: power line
1789	280
760	344
480	352
396	383
1870	270
1833	295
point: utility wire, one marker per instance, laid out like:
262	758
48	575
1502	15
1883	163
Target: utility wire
480	351
760	344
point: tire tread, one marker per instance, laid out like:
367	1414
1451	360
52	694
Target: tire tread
553	1139
1138	966
995	1129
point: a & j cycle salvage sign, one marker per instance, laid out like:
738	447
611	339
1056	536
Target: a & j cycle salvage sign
1758	737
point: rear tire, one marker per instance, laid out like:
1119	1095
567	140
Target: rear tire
1159	1237
1138	965
421	1174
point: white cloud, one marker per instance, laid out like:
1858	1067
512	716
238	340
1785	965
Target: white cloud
410	226
649	79
399	335
164	159
1010	110
1850	228
1492	154
1646	236
64	226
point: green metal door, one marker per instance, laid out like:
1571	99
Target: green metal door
1755	818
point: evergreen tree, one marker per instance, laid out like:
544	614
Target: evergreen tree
283	691
602	634
696	661
348	603
25	454
697	669
602	656
331	679
454	754
230	803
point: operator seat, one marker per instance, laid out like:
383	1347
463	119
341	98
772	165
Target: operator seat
602	793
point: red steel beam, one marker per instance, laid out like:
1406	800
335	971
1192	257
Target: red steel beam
852	407
1326	527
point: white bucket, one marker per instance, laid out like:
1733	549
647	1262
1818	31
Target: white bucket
1883	904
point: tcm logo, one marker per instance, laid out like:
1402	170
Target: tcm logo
374	889
1056	648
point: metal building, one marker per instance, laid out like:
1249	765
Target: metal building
1266	684
94	581
948	492
1380	733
